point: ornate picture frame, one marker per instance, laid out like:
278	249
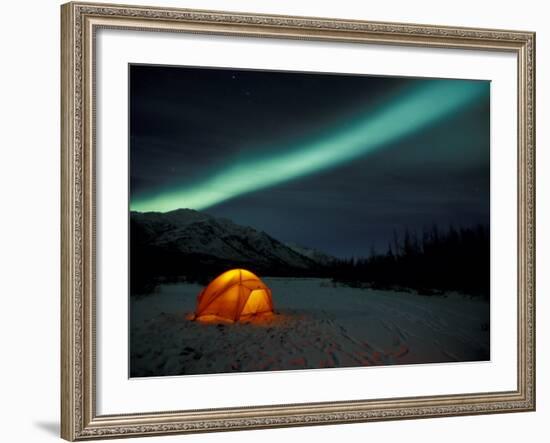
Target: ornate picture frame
79	417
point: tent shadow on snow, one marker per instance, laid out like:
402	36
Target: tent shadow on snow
237	295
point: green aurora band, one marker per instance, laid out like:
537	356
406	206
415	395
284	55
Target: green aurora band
412	111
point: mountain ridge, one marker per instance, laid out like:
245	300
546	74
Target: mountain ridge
201	241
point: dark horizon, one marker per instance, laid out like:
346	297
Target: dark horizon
188	124
397	235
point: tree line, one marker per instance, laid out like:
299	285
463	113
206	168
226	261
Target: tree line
457	259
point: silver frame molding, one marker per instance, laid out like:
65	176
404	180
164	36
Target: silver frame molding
79	22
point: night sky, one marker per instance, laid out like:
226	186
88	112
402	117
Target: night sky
328	161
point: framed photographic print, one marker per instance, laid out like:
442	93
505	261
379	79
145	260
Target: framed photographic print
282	221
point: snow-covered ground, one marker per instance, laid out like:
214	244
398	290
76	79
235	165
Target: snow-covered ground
317	324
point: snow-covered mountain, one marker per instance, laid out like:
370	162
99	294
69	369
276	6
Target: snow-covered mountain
209	239
313	254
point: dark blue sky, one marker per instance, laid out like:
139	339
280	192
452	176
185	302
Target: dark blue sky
188	123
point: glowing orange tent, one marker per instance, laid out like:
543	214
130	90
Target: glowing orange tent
235	295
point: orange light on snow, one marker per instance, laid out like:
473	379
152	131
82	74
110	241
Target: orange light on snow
235	295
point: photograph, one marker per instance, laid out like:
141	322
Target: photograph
278	218
284	220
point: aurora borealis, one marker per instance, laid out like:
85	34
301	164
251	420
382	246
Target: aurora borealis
359	155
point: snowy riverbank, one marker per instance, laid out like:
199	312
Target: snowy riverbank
317	324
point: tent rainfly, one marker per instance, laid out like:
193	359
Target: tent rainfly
233	296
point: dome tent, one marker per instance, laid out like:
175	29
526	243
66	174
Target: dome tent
235	295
